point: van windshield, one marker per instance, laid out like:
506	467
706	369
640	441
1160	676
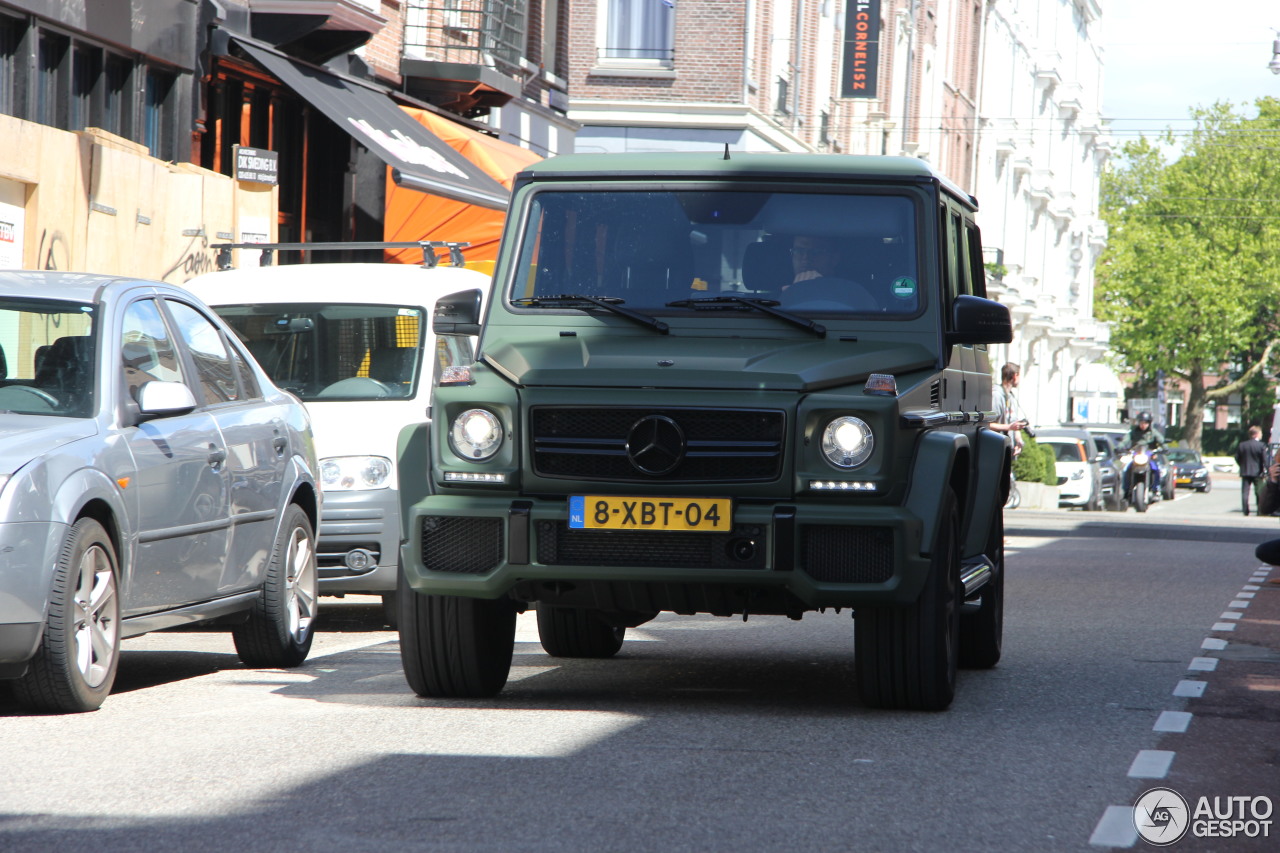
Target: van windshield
809	253
338	352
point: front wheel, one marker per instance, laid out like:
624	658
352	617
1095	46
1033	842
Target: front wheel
75	666
453	647
570	632
906	657
1139	498
278	632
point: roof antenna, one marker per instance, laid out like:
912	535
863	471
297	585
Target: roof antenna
726	151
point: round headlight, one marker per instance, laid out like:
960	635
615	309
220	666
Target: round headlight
847	442
476	434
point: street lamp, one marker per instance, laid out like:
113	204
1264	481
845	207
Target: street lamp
1274	65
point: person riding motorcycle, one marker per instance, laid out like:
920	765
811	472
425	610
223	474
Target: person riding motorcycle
1146	437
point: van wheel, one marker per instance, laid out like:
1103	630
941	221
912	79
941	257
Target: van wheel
982	622
571	632
455	647
906	657
279	631
75	666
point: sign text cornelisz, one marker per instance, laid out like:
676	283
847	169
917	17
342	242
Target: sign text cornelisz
859	77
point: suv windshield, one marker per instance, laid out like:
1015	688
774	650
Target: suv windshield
47	359
340	352
807	252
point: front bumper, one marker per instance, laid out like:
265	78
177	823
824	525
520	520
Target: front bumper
366	520
28	557
822	554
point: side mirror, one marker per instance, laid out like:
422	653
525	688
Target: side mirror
975	320
457	314
157	399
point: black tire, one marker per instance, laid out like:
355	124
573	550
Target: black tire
75	666
906	657
571	632
1140	497
280	626
1208	486
982	622
453	647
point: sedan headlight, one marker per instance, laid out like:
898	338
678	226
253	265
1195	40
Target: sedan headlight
353	473
847	442
476	434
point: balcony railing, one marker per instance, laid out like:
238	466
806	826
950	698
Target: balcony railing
471	32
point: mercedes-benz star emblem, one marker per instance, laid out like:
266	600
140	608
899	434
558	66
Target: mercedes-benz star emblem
655	445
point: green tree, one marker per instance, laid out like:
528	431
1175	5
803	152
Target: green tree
1191	276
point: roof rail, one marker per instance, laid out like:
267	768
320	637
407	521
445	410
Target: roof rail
429	257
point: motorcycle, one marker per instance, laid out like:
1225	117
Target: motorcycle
1141	466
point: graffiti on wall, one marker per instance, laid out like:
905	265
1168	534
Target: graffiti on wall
195	259
55	251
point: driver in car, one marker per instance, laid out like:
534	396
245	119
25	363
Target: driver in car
816	262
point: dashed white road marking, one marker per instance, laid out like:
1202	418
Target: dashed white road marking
1224	626
1203	664
1172	721
1245	595
1238	604
1116	828
1214	644
1190	689
1231	614
1151	764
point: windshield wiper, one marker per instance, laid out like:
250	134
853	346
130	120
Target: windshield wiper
768	306
609	303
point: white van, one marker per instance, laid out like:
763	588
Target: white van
348	339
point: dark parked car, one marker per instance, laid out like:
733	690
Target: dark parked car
1190	470
151	476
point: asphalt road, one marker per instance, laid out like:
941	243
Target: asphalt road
704	734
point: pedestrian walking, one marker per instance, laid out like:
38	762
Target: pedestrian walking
1251	457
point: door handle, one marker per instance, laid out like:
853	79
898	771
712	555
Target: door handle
280	443
216	457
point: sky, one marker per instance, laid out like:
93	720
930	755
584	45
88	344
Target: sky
1165	56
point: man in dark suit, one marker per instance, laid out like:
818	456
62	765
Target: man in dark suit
1251	456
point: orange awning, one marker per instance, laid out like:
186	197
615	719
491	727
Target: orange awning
413	215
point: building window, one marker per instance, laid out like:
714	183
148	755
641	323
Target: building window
158	115
51	87
783	105
12	69
117	105
638	32
86	69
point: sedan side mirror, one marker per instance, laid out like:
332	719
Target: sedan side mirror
457	314
157	399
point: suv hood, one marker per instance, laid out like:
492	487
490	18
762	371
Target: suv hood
24	437
691	362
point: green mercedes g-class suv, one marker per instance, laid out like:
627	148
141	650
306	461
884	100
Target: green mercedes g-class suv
728	384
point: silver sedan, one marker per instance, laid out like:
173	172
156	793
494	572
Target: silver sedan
151	476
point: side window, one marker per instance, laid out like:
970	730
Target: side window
213	363
951	256
248	382
146	352
977	271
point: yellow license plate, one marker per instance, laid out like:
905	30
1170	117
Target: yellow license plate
612	512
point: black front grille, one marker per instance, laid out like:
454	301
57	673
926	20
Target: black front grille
559	545
468	546
721	445
845	554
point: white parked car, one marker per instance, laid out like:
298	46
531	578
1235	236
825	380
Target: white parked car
151	476
1078	472
353	341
